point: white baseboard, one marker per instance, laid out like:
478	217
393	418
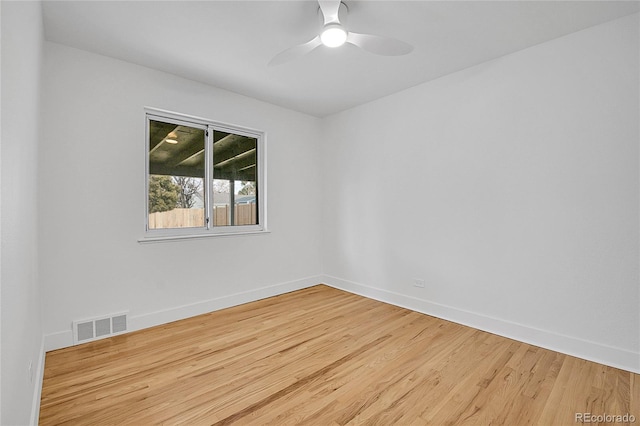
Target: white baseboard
592	351
152	319
38	377
58	340
63	339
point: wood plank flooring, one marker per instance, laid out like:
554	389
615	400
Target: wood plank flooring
321	356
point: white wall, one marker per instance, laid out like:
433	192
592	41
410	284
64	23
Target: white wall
21	322
92	200
510	187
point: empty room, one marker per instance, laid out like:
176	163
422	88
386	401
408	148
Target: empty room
320	212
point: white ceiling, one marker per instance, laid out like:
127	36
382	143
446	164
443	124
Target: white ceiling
229	43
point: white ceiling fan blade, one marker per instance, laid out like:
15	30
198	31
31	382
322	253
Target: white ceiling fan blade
330	9
295	52
379	45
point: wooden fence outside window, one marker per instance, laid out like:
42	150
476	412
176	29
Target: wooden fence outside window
245	214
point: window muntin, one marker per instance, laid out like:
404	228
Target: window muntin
214	172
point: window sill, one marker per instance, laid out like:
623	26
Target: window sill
149	239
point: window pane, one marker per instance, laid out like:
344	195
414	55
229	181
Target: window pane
235	193
176	176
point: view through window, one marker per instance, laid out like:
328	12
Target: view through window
176	176
201	177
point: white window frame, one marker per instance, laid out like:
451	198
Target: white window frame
208	230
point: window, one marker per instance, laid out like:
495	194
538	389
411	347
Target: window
203	178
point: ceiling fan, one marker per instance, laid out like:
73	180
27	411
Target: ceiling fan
335	34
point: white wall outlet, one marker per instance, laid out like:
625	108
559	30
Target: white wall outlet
418	283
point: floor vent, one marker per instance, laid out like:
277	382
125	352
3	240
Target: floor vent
99	327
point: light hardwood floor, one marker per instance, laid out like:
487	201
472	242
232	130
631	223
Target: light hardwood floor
321	356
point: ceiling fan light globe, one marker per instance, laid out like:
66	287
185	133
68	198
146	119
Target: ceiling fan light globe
333	36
